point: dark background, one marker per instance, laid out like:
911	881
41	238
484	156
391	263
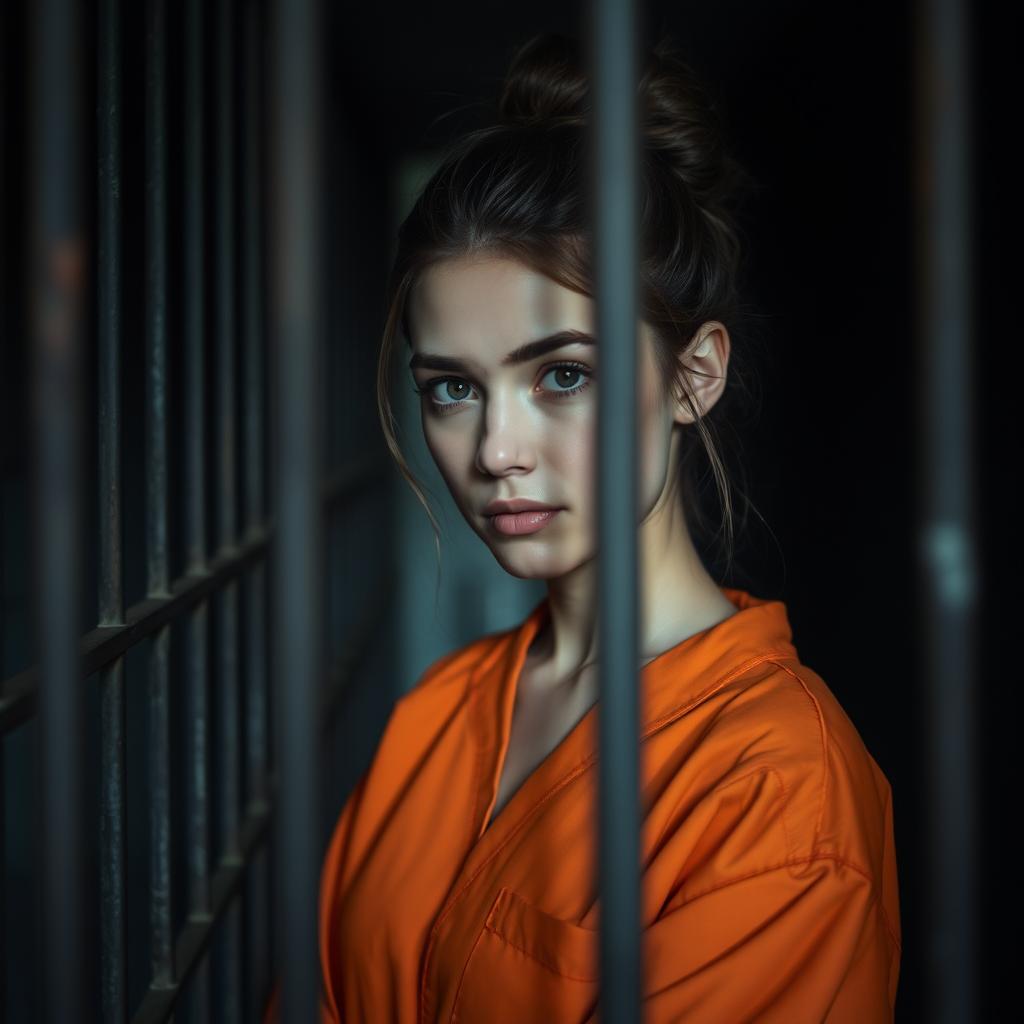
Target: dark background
819	106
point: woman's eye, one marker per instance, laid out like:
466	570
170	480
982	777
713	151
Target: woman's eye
456	390
563	380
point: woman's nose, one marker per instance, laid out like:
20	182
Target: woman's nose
506	441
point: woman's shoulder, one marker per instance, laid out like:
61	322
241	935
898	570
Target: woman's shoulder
815	725
783	721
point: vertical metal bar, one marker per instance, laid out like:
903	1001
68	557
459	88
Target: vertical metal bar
255	354
296	327
229	768
196	647
161	896
3	818
614	161
256	696
57	275
948	560
113	809
6	274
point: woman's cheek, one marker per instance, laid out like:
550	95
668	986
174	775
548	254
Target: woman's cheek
444	458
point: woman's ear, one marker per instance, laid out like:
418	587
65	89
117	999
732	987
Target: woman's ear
702	369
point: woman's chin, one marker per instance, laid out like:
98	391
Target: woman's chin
530	568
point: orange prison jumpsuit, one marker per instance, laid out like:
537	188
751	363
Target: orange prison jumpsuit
767	851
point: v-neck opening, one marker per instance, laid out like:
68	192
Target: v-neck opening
760	627
527	632
512	797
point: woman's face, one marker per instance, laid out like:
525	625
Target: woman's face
503	423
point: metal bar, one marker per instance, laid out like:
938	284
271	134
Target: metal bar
18	693
6	275
252	249
613	63
100	646
257	904
948	565
3	855
113	782
296	326
197	633
227	509
56	276
228	741
193	941
109	294
161	845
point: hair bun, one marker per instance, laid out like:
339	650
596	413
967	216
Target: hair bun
682	123
545	82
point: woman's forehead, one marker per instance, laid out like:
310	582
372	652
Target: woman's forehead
467	300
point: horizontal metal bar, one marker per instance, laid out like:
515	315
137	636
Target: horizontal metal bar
194	938
100	646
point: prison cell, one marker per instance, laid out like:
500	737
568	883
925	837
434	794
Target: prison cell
224	434
253	297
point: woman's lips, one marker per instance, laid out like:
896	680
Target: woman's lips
517	523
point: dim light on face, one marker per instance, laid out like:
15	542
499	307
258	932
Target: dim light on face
508	368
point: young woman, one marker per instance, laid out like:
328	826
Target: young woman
460	881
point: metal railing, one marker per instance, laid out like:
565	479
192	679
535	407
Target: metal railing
614	156
231	714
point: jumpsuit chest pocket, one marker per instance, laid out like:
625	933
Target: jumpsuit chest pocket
527	965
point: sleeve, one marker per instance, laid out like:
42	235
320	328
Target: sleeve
803	942
761	923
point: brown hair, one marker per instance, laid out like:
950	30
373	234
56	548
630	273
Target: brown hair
519	189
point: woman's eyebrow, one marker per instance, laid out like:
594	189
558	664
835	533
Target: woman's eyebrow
523	354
